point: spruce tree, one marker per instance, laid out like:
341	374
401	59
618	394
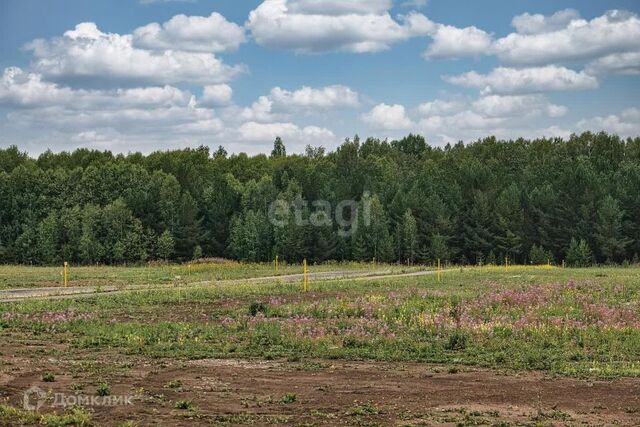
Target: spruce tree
579	254
165	245
608	230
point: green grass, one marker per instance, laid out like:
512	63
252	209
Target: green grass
12	276
76	416
578	322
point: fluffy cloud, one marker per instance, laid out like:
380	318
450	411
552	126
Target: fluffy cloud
253	131
143	118
506	116
606	44
308	97
453	42
86	54
388	117
339	7
216	95
27	90
625	124
260	111
616	63
569	39
504	80
314	26
280	102
438	107
517	106
211	33
536	24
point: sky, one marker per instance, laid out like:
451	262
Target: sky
150	75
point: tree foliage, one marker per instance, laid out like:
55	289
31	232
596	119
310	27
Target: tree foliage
529	200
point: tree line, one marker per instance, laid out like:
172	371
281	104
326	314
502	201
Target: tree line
533	201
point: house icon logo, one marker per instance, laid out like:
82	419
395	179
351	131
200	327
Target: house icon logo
33	398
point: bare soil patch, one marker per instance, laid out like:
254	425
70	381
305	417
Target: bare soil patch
320	392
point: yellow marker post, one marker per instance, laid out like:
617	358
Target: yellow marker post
305	277
65	275
506	263
275	263
439	269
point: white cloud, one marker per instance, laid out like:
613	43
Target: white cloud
308	97
517	106
87	54
625	124
280	102
28	90
339	7
216	95
453	42
260	111
537	23
616	63
508	116
253	131
388	117
606	44
504	80
579	40
307	26
438	107
144	118
211	33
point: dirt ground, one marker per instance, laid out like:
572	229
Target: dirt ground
314	392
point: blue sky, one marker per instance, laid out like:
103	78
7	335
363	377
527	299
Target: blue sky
149	75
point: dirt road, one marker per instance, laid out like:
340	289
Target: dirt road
18	294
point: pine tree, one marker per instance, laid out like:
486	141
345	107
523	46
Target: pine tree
539	256
579	254
608	230
439	248
477	224
91	247
165	245
409	236
491	258
188	231
48	240
197	253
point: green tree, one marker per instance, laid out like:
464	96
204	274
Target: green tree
188	232
539	256
197	252
409	237
608	230
91	246
165	245
279	149
579	254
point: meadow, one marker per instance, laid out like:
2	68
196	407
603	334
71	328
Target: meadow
12	276
575	323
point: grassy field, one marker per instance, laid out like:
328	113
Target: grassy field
582	323
34	276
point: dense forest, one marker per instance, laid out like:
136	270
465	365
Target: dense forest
530	200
